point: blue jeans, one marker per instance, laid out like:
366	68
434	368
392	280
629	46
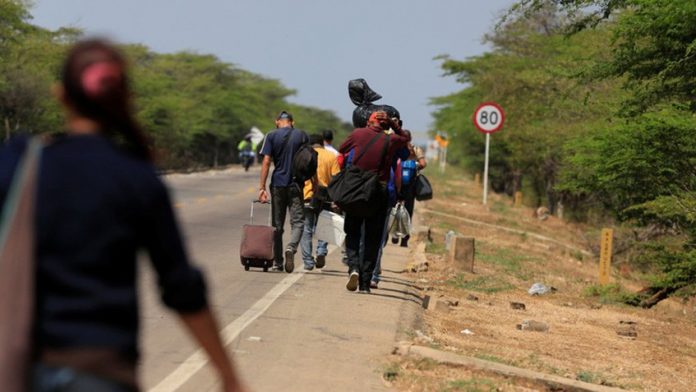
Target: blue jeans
62	379
310	226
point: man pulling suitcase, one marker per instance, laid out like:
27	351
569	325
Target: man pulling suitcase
280	147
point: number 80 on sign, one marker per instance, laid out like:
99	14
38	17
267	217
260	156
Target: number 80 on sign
489	117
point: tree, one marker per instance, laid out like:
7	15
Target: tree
195	107
28	67
535	71
643	169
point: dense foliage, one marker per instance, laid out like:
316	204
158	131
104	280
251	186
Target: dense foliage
195	107
600	97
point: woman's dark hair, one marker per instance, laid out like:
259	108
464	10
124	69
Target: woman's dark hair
96	86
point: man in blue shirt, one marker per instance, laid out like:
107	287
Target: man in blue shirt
280	146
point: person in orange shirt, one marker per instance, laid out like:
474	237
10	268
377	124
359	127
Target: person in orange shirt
315	199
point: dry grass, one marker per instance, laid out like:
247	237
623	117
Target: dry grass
581	343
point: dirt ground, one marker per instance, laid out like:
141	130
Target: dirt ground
582	340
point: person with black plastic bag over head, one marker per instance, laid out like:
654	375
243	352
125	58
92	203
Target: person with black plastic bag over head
373	151
98	201
280	147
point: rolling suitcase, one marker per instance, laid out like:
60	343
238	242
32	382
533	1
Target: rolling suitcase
256	249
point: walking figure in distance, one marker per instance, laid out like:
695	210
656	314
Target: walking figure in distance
362	257
316	199
279	147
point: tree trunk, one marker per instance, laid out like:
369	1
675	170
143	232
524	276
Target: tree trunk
657	297
216	155
559	208
516	181
551	196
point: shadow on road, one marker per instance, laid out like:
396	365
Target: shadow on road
405	295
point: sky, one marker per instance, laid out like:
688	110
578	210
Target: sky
312	46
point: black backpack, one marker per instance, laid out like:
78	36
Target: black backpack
304	163
356	191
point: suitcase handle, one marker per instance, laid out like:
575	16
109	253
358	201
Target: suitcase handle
270	211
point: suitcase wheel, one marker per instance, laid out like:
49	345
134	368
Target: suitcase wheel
246	267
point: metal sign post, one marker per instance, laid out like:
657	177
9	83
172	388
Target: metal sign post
485	169
488	118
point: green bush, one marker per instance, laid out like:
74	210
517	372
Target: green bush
612	294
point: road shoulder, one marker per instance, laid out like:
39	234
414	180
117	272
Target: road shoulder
317	336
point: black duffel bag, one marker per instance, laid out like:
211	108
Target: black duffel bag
424	191
356	191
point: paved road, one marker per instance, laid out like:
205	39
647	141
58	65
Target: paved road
287	332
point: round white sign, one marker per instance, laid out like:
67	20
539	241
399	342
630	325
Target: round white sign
489	117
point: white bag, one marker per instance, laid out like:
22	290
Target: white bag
330	228
400	225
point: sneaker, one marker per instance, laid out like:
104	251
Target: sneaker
404	243
321	261
364	290
289	261
277	268
395	240
308	267
352	284
373	285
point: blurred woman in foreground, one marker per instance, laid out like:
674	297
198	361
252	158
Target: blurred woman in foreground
99	201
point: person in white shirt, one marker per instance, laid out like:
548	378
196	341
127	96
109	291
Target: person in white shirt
328	138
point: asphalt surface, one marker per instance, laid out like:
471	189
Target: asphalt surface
287	332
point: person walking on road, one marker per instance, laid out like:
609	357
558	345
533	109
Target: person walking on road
411	165
393	186
378	160
315	202
280	147
99	201
328	140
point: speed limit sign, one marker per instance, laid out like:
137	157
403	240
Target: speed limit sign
489	117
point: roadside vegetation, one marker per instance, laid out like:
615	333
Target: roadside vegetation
600	124
195	107
591	332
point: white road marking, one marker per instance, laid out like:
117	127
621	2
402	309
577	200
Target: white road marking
198	359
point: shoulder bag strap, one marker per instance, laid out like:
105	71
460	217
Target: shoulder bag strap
385	149
17	271
285	143
367	147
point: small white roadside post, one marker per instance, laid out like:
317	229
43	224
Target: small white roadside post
442	143
488	118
